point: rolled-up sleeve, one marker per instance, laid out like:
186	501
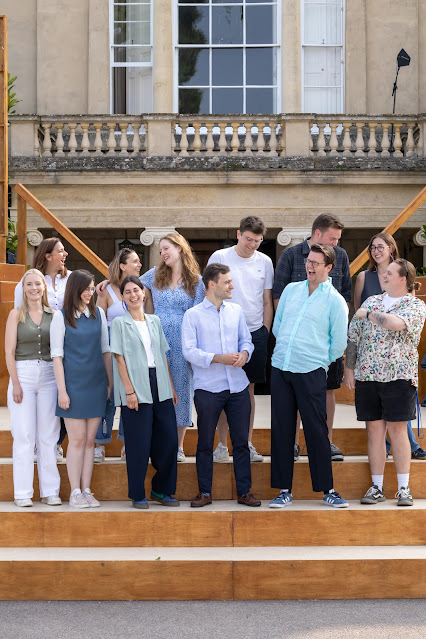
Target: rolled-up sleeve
190	351
57	335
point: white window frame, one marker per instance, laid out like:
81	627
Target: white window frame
243	46
113	46
342	53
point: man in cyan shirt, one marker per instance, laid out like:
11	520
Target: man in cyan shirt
252	277
310	328
217	343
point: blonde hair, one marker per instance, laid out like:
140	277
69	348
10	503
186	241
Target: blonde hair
114	271
23	308
190	268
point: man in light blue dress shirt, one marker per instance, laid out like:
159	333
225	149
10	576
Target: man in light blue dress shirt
217	343
310	327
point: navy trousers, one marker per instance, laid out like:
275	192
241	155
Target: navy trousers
237	409
305	392
151	431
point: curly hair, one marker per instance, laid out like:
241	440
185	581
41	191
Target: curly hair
190	268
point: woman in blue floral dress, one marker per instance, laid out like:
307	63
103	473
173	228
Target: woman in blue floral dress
171	289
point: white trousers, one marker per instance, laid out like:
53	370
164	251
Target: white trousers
33	423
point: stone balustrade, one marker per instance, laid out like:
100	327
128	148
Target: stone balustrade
298	135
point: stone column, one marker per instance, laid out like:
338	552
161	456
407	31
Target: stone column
99	76
151	236
162	56
420	241
291	99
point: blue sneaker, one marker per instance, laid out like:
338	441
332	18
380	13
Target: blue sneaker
282	500
166	500
142	503
335	500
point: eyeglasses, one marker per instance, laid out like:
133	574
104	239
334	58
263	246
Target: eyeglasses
314	264
377	249
250	240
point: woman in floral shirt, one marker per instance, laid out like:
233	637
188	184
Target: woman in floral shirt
382	357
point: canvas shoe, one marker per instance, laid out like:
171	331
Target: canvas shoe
23	503
78	500
221	455
336	453
99	454
404	497
419	453
282	500
254	455
373	495
335	500
90	498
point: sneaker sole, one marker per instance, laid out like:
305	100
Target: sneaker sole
98	460
367	500
47	503
221	461
280	505
335	505
141	506
405	502
78	507
337	458
163	503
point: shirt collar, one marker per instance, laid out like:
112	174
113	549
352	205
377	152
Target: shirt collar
208	304
86	312
322	286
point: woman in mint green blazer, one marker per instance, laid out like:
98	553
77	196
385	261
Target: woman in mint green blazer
144	390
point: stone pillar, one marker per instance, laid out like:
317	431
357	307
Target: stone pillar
162	57
34	238
99	76
291	98
151	236
356	57
420	241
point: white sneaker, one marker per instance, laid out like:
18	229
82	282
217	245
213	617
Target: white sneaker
78	500
52	500
180	455
23	503
90	498
59	454
254	455
99	454
123	453
221	455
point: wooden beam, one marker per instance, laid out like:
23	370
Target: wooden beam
3	139
392	227
60	227
22	231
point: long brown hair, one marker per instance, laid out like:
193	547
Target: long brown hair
114	270
23	307
77	282
190	268
46	247
387	239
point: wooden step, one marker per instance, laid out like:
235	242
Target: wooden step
224	524
351	478
351	441
223	574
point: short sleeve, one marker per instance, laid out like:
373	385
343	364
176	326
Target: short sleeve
116	336
269	275
147	278
412	314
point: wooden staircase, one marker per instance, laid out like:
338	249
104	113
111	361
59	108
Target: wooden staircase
225	551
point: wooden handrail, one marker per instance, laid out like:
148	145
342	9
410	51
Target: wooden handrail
68	235
391	228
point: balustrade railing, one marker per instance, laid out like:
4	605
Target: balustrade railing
301	135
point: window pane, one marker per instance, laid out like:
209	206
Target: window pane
322	66
227	1
194	101
260	101
258	1
194	67
322	100
193	1
227	25
132	89
193	25
260	25
135	12
323	23
261	66
227	101
227	67
132	33
132	54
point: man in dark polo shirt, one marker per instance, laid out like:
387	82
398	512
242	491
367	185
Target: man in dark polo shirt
326	229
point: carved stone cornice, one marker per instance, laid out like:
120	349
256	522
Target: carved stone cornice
153	234
292	235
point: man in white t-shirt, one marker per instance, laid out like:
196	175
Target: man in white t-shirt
252	276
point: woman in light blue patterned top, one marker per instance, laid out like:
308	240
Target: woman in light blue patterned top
171	289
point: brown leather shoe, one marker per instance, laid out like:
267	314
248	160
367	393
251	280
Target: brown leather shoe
201	500
249	500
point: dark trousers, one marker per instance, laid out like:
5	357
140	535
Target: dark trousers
151	431
237	409
305	392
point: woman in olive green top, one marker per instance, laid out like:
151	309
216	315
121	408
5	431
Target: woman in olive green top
144	389
32	392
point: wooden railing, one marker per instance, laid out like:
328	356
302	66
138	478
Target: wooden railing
26	197
391	228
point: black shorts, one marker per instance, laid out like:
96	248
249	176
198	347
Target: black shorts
335	374
255	369
392	401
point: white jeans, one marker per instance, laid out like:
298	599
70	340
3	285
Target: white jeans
33	422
